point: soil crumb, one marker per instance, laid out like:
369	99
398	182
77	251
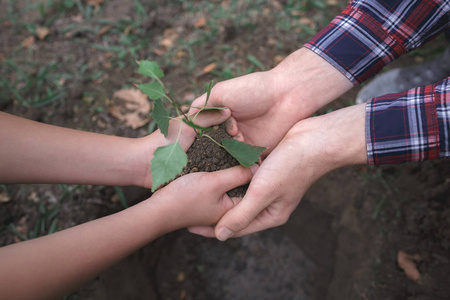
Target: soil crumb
206	156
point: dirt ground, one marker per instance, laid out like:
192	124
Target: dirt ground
343	239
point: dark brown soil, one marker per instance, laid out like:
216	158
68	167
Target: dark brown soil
207	156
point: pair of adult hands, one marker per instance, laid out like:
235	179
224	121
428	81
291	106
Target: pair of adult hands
271	109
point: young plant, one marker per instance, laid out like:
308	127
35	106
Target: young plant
168	161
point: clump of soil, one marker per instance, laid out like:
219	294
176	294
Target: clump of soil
206	156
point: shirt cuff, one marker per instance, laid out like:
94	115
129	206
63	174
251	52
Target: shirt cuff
409	126
367	35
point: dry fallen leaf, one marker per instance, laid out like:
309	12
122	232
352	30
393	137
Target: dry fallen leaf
407	264
209	68
77	18
4	197
200	22
104	30
134	109
33	197
94	2
169	39
277	5
42	32
297	13
28	42
307	21
158	52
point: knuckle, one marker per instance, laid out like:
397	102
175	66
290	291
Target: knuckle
240	223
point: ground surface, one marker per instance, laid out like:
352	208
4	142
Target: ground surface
343	239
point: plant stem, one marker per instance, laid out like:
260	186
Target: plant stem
220	145
174	104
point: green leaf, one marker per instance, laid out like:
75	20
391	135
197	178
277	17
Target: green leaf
245	154
150	68
208	92
161	116
168	161
255	61
153	90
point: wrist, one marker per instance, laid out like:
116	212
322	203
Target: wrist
308	81
335	139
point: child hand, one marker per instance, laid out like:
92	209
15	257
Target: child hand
199	198
147	145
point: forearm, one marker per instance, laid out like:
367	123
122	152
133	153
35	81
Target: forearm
32	152
53	266
308	82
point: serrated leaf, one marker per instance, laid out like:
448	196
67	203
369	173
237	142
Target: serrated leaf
245	154
168	161
153	90
150	68
161	116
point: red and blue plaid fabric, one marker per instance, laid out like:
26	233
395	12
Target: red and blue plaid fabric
408	126
369	34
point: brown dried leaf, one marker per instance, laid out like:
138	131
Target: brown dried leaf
77	18
209	68
406	263
28	42
104	30
33	197
158	51
169	39
200	22
134	109
94	2
277	5
42	32
4	197
297	13
307	21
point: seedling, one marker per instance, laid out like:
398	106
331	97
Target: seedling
168	161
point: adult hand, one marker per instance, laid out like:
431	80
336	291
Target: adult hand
310	149
199	198
266	105
178	131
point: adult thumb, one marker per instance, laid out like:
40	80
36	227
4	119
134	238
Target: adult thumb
239	217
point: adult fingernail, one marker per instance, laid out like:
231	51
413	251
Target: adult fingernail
224	111
224	233
254	168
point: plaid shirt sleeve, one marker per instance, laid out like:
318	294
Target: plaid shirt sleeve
369	34
409	126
